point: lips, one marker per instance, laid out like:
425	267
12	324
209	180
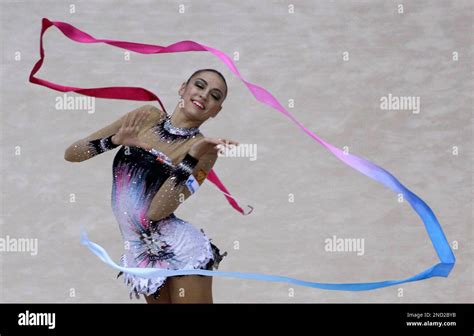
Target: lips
198	104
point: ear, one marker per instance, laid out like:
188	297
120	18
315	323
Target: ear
182	88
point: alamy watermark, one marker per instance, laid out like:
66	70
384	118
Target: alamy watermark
66	102
408	103
9	244
242	150
335	244
37	319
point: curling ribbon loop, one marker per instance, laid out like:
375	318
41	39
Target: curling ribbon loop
432	226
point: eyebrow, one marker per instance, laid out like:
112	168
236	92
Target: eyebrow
207	84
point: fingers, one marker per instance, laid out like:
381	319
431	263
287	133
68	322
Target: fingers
127	120
223	142
211	145
141	118
136	119
226	143
232	142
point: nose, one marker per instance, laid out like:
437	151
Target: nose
204	95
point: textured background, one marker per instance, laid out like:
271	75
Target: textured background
295	56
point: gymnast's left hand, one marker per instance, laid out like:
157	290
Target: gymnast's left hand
209	145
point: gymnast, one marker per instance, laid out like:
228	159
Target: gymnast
163	160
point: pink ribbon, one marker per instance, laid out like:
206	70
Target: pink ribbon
120	92
433	228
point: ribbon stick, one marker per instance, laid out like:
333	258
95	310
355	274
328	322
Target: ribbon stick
433	228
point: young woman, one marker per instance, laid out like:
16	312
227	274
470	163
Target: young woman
162	161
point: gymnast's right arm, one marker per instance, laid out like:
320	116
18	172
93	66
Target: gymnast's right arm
100	141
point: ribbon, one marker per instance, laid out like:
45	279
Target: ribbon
115	92
432	226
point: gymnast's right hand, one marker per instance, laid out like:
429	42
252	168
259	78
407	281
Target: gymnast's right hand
127	135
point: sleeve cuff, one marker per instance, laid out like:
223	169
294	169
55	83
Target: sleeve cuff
184	169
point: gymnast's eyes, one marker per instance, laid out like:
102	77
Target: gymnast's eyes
199	85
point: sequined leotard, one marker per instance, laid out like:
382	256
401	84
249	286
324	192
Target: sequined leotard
138	178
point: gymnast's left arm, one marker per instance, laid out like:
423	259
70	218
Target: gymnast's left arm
186	178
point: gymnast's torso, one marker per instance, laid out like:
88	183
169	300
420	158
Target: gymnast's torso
138	174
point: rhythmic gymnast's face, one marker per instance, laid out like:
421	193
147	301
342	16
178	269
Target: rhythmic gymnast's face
203	96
